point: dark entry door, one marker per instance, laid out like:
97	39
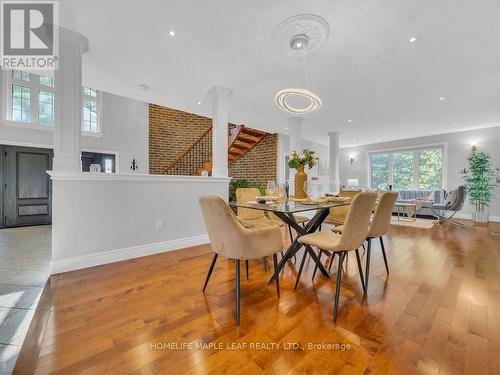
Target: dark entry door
28	189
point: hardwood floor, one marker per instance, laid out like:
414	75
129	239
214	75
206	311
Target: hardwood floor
438	312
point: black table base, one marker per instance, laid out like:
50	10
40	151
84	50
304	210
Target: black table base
311	227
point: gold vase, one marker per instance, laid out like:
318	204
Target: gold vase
300	181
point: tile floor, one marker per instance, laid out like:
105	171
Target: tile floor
24	267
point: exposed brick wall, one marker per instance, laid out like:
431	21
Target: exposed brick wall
258	164
171	132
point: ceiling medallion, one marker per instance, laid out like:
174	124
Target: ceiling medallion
299	36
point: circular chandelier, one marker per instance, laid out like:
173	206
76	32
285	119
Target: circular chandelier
283	95
302	34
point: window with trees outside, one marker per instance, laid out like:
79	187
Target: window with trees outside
30	100
420	168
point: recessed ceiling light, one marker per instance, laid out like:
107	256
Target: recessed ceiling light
441	98
350	120
286	128
198	103
412	39
171	32
143	86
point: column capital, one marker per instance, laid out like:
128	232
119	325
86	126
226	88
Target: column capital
334	132
219	91
72	38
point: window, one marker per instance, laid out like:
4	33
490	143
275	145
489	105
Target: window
420	168
29	99
89	115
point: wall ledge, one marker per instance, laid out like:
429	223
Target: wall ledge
90	176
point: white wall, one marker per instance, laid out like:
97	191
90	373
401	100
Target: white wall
125	131
102	218
458	148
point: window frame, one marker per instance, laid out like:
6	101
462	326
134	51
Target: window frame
98	100
7	80
35	87
416	174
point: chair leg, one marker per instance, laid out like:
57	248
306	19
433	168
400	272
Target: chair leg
276	275
331	262
316	266
337	287
368	253
265	263
360	270
300	269
383	254
214	259
246	266
237	279
290	233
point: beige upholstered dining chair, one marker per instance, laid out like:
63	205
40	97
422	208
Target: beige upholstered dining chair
251	217
230	238
352	237
337	215
378	227
257	217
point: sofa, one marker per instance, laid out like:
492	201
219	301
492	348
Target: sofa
409	196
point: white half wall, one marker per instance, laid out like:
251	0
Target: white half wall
458	147
103	218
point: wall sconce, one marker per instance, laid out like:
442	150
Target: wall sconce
351	158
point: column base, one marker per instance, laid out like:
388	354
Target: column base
220	172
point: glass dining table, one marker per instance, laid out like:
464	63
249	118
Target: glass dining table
285	211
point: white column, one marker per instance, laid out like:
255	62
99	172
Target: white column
68	102
295	130
220	98
334	157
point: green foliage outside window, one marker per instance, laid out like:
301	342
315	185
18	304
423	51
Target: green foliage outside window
379	169
403	170
431	168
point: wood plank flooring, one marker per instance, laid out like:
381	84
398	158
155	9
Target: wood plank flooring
438	312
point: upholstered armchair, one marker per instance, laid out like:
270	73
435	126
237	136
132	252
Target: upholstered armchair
446	211
230	238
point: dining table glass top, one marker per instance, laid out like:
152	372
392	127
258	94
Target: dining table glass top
288	206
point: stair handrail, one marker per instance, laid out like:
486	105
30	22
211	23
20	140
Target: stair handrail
234	134
200	138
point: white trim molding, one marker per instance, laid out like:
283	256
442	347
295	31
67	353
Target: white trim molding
93	176
111	256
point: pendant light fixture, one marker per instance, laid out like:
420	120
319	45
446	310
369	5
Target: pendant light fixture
309	32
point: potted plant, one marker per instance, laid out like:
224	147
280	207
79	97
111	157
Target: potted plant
481	180
298	162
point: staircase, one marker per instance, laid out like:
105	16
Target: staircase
198	157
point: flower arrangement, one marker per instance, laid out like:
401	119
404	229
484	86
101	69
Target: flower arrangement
306	158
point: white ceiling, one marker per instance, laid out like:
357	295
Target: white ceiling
366	71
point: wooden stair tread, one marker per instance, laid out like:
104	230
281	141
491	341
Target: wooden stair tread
253	132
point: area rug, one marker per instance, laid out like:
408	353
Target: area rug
419	223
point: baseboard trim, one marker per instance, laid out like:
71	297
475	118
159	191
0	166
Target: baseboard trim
111	256
468	215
